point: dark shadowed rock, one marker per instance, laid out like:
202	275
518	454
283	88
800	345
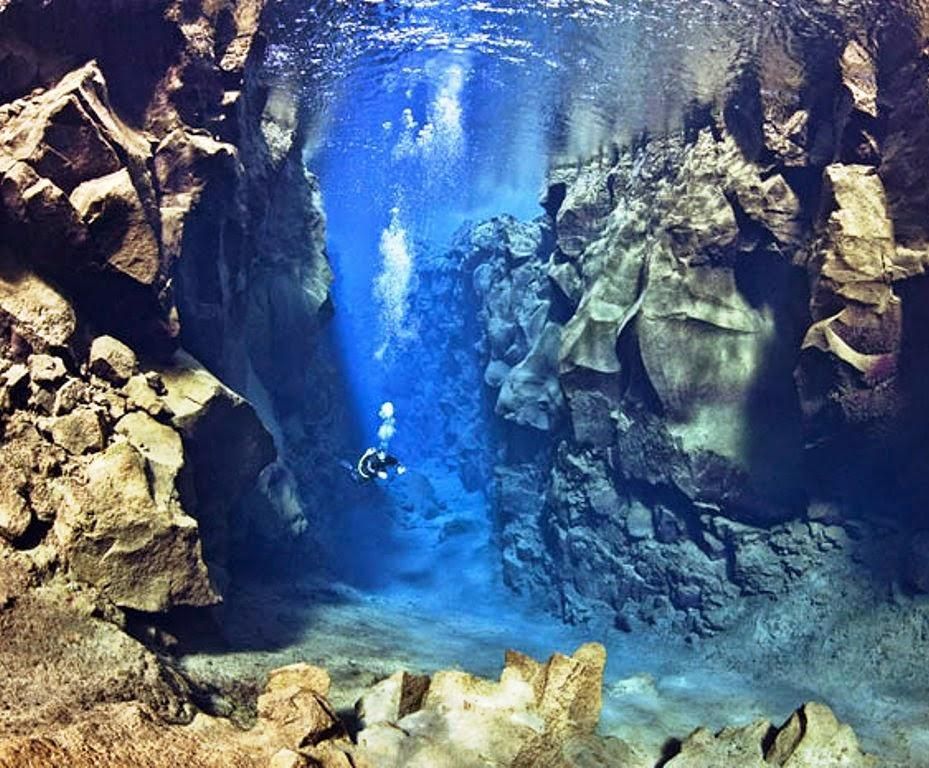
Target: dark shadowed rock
225	442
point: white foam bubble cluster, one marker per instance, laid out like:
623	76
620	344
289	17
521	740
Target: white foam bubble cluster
438	139
388	426
392	284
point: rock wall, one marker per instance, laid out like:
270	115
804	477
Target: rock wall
705	354
153	204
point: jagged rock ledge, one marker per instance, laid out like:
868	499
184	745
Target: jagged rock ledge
536	716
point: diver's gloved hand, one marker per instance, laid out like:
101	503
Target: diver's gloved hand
401	470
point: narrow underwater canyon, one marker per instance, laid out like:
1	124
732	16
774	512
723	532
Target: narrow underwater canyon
645	288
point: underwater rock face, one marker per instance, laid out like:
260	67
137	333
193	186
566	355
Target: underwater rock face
514	296
141	215
65	652
740	341
104	192
118	472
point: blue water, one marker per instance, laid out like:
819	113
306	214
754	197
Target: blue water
430	114
400	175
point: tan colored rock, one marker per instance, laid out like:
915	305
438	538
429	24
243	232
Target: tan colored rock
300	675
119	228
41	399
16	376
572	696
37	310
579	751
140	395
811	738
162	448
336	754
850	354
46	369
110	402
71	394
112	360
79	432
247	18
731	746
527	718
287	758
142	553
15	514
295	711
857	252
130	734
859	78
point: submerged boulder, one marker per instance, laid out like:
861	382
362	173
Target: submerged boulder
811	738
79	431
118	533
32	307
535	715
294	708
119	228
112	360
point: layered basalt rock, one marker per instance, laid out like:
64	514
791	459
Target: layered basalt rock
729	395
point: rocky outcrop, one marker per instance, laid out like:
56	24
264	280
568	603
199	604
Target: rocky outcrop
223	438
513	293
811	737
146	213
65	652
120	474
135	225
536	715
717	378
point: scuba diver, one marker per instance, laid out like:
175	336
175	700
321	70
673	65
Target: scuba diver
377	463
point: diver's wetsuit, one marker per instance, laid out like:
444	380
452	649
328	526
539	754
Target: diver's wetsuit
374	463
